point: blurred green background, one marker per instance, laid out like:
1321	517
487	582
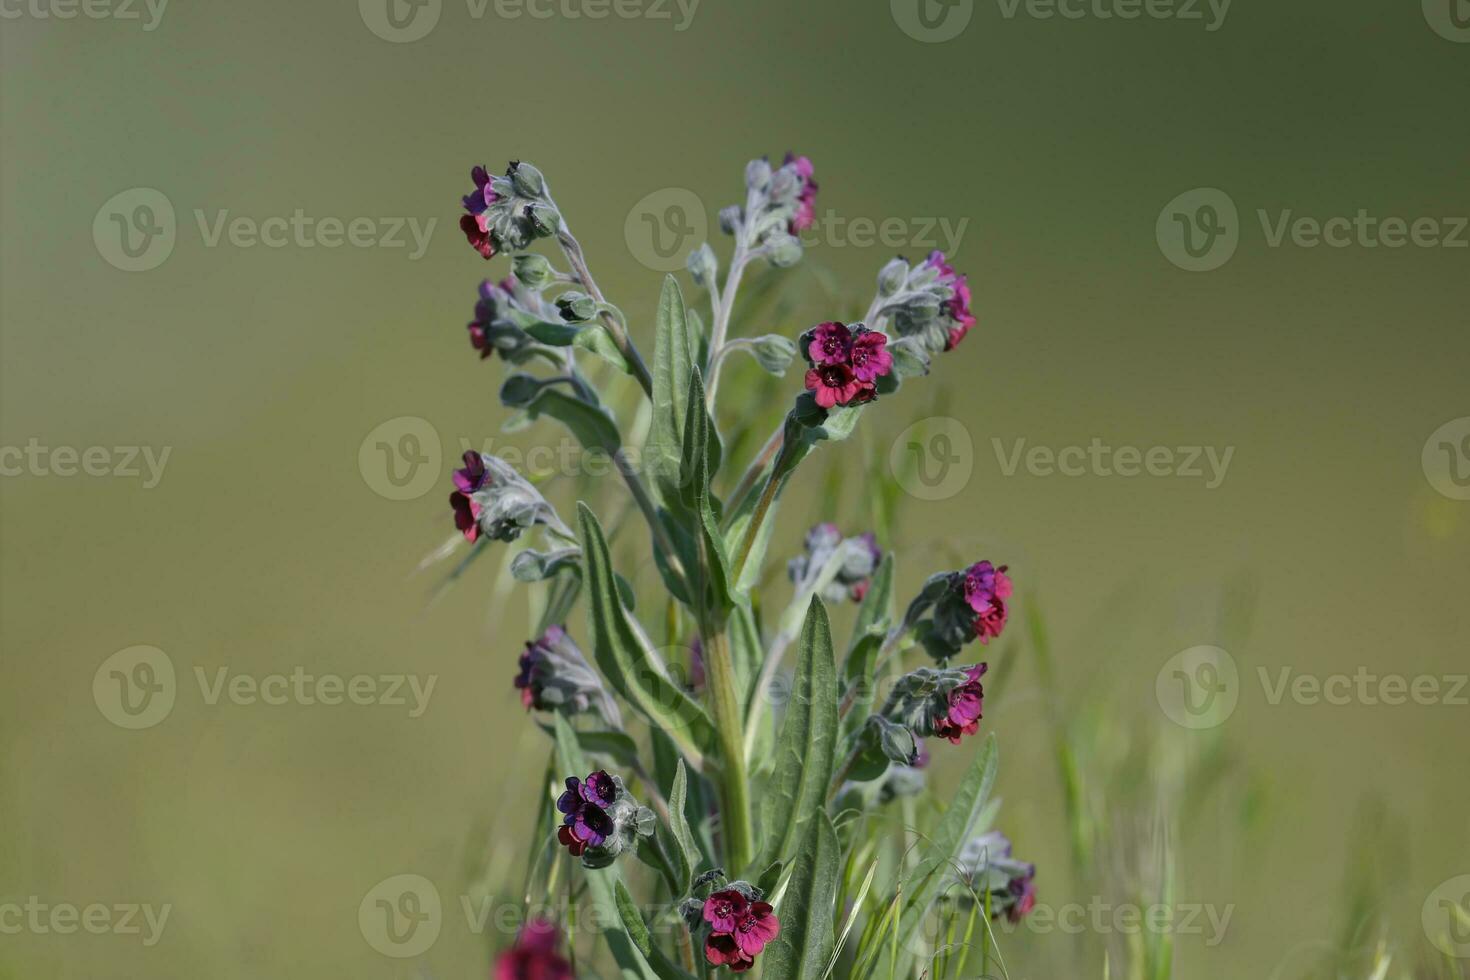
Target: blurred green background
267	546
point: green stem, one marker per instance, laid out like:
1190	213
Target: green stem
731	777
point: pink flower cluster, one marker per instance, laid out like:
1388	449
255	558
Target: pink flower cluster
986	590
961	715
739	929
846	363
957	307
475	225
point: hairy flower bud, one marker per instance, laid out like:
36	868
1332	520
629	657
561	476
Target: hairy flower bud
527	180
554	675
783	250
576	307
758	175
703	265
892	277
986	865
931	302
492	499
533	271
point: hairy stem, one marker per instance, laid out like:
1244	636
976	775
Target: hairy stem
732	778
573	251
757	466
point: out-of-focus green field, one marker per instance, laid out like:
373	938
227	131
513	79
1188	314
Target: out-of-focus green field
267	545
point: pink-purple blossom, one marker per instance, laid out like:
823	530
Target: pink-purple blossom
806	199
957	307
534	955
585	821
986	590
475	224
844	363
960	714
740	928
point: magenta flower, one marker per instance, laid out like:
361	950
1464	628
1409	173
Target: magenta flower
599	789
467	481
870	358
534	955
806	201
961	714
477	200
477	232
834	384
986	589
740	928
831	344
724	909
957	307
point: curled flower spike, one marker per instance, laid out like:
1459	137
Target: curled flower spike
987	866
930	301
554	675
740	924
507	213
955	608
601	819
494	329
492	499
534	955
845	363
941	702
846	564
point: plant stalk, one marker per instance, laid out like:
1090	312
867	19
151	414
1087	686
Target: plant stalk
573	251
732	778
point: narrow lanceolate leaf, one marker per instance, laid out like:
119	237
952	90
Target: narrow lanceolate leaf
600	884
623	653
695	472
673	362
942	847
637	931
592	426
804	947
679	823
806	748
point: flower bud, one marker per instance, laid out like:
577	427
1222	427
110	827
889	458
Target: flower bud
731	218
544	219
533	271
784	250
986	867
758	175
555	676
576	307
703	265
892	276
527	180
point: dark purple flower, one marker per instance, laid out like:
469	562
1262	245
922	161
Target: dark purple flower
584	824
831	344
986	589
806	200
477	200
1020	896
466	516
960	715
534	955
472	476
870	359
835	384
599	788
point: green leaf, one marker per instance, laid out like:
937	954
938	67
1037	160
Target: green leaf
595	338
637	931
942	846
695	471
617	746
770	877
622	651
876	611
554	334
773	352
600	883
592	426
534	566
673	363
688	850
807	747
804	947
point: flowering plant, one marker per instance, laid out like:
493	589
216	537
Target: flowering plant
767	840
